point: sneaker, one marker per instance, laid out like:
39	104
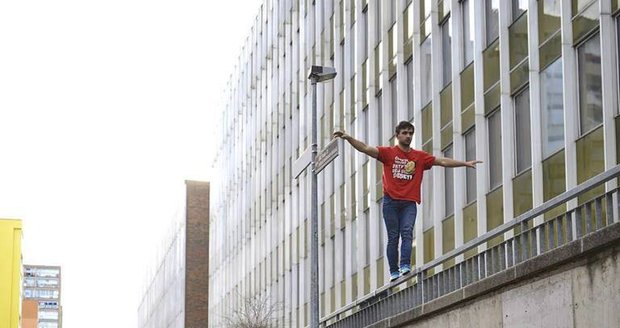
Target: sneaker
394	275
405	269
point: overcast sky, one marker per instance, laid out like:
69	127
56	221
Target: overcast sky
106	107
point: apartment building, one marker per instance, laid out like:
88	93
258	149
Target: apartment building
529	87
42	296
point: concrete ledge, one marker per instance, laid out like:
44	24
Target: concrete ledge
489	284
442	302
405	317
385	323
601	238
549	259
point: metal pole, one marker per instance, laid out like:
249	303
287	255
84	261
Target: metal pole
314	238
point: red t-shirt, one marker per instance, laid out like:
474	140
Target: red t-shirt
403	171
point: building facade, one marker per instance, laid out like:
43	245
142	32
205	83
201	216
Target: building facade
42	288
529	87
10	272
176	293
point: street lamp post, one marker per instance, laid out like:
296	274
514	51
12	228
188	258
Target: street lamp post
317	74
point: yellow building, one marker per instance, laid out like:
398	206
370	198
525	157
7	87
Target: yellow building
10	272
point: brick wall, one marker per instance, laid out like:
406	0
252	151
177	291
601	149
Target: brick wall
197	255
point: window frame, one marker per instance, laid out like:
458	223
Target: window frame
444	152
471	132
552	152
525	88
466	21
446	23
488	42
496	111
582	43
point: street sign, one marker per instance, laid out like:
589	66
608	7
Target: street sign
302	162
327	155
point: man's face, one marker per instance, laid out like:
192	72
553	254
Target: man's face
404	137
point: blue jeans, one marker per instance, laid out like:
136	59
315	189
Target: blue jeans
399	217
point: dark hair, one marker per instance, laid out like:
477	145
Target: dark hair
404	125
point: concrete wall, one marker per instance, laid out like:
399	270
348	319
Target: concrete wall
581	294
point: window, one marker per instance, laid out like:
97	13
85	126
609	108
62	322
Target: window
522	131
410	90
366	218
491	8
353	254
518	8
590	96
364	36
446	51
394	101
552	108
427	200
449	184
48	315
379	22
467	8
426	58
470	175
380	118
352	58
495	149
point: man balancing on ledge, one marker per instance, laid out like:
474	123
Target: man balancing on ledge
403	168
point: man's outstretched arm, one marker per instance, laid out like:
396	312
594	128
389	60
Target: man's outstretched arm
360	146
449	162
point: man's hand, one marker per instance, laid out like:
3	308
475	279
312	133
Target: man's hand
472	164
340	134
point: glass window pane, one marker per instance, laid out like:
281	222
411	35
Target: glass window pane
467	8
590	96
449	185
585	22
552	108
446	48
426	58
470	154
427	123
579	5
394	101
549	19
364	36
522	131
410	90
518	8
518	41
495	149
379	22
427	200
522	190
382	133
492	20
491	65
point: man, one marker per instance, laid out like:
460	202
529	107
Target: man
403	168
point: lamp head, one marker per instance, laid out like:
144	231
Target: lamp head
322	73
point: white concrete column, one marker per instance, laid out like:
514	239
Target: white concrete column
482	151
571	101
609	70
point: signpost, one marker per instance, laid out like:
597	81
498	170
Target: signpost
318	162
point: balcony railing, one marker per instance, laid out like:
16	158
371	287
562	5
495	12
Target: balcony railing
439	277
